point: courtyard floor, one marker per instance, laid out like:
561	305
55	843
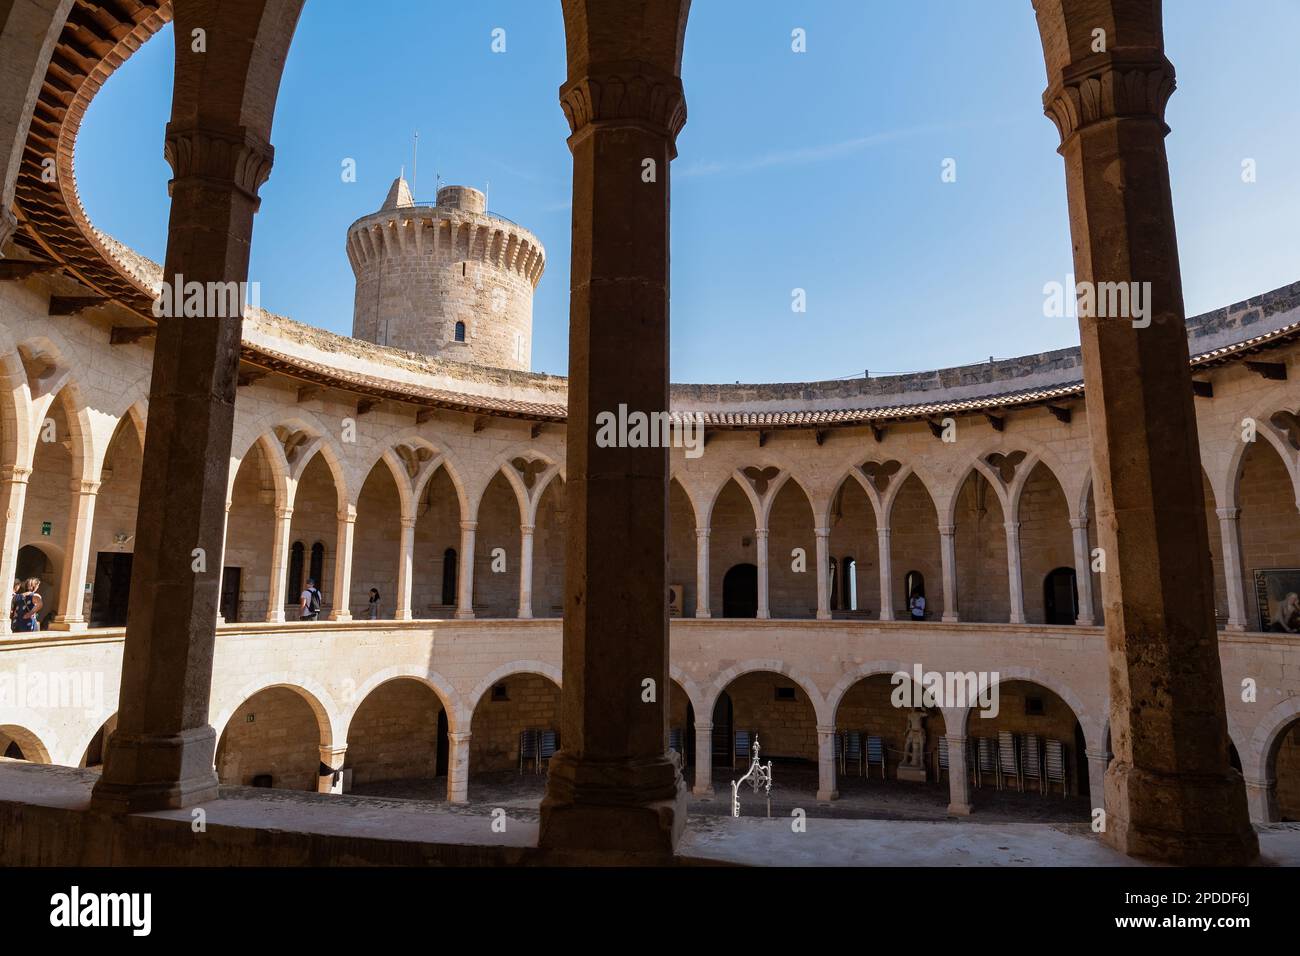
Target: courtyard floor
795	787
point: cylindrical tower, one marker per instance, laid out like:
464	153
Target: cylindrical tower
447	280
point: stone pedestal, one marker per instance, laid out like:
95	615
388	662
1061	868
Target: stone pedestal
911	774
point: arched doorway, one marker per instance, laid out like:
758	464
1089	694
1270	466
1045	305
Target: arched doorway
272	740
740	591
1060	597
395	739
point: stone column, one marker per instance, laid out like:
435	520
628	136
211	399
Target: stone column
948	558
826	764
703	759
405	569
886	576
458	767
1261	798
1097	764
342	597
613	786
1233	577
702	573
277	598
959	802
161	756
221	563
526	570
1082	570
1015	580
1170	792
76	561
760	546
465	583
13	497
823	573
331	758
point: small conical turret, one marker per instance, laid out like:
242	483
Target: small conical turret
399	196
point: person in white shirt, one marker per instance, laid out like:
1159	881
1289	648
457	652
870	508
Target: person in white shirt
917	604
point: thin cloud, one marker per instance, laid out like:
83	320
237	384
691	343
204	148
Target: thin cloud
815	154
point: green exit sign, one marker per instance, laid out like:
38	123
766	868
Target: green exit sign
47	528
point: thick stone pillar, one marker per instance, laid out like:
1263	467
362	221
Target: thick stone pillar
458	767
959	803
1170	792
1082	570
465	583
76	561
276	597
1233	576
702	573
161	756
613	786
886	575
331	758
342	596
948	558
1015	580
13	497
405	568
703	759
526	570
826	764
823	573
760	546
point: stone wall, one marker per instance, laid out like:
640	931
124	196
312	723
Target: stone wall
394	734
532	702
273	732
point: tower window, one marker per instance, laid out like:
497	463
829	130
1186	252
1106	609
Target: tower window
460	331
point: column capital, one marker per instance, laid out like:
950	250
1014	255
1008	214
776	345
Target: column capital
80	487
230	158
825	729
348	514
1123	83
16	475
947	530
1011	527
408	524
283	514
459	738
957	740
527	528
625	94
1080	524
701	532
822	532
703	726
882	532
762	533
1228	514
468	525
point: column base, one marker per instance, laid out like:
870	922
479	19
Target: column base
959	809
824	615
950	619
1184	819
702	615
625	811
144	773
340	616
525	615
1084	622
69	624
1235	628
464	615
826	796
402	614
705	792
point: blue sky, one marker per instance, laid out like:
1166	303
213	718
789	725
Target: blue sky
817	170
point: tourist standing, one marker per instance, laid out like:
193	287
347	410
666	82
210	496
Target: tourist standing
917	604
374	604
309	602
30	604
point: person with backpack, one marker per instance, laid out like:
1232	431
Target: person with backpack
917	606
29	610
15	605
310	601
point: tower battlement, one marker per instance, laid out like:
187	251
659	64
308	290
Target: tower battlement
448	280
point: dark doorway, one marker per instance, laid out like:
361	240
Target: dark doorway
722	731
1060	597
293	583
688	744
112	589
1084	786
317	565
230	581
449	577
740	592
440	765
14	752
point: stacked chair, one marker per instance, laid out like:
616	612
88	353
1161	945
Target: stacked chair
1055	767
1009	761
876	755
742	748
1031	760
537	746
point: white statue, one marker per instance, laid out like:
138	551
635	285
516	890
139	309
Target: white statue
914	744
